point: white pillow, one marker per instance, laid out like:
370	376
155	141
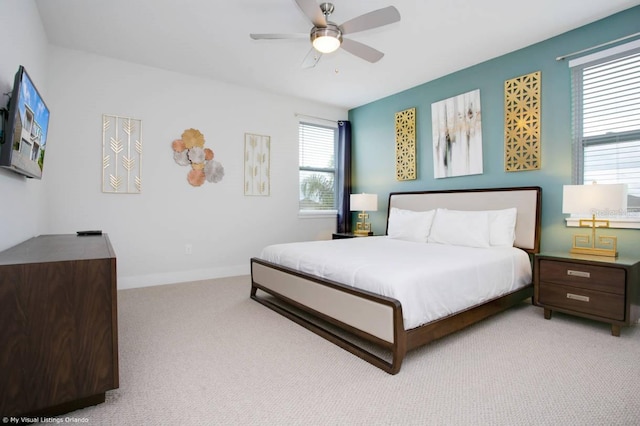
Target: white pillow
409	225
502	227
460	228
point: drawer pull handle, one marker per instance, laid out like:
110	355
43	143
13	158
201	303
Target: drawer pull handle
581	274
578	297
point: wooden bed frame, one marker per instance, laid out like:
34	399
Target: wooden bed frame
338	312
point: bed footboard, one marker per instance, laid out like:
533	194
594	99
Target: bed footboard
376	319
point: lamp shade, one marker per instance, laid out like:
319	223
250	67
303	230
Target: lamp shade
364	202
326	40
326	44
595	199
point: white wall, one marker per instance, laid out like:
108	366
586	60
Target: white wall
23	43
149	231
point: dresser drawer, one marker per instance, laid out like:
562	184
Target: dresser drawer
588	277
602	304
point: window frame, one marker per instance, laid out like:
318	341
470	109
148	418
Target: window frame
632	219
314	213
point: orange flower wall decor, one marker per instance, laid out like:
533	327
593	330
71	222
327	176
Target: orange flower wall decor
190	151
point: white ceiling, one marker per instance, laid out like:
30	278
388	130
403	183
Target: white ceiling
210	38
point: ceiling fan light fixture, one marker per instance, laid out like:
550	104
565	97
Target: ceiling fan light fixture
326	36
326	40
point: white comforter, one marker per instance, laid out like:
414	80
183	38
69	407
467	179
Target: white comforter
431	281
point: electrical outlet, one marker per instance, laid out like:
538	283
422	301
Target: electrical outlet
188	249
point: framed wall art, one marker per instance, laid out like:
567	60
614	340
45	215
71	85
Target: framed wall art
457	135
406	144
257	163
121	154
522	123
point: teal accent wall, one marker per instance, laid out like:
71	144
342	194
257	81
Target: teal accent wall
373	127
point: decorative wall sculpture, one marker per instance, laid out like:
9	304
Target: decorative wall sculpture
457	135
190	151
257	164
121	154
522	123
406	144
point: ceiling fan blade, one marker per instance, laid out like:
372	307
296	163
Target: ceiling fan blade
311	59
374	19
276	36
313	12
362	50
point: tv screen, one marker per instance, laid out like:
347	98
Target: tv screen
25	133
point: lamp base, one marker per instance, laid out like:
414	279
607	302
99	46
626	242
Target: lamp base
363	228
594	251
588	244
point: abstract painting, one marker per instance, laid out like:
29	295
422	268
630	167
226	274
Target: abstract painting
457	135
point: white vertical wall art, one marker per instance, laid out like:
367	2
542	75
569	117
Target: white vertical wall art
257	159
457	135
121	154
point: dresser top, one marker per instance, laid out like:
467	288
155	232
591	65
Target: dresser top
57	248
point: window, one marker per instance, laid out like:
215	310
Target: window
317	167
606	119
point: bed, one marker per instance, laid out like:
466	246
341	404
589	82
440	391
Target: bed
448	259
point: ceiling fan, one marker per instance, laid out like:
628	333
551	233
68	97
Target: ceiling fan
326	37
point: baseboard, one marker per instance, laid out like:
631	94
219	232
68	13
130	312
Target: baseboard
138	281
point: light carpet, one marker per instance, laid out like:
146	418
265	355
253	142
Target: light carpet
204	353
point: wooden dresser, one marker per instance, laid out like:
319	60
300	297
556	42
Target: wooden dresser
596	287
59	331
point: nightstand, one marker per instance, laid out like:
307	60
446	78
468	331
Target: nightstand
595	287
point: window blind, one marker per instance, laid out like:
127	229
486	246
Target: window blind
317	147
317	153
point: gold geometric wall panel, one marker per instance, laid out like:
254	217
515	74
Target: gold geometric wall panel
406	144
121	155
522	123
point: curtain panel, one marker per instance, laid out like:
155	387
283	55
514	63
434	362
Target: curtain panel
343	176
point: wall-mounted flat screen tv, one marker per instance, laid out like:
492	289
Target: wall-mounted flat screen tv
24	139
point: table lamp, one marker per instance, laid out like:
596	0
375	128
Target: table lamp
363	203
595	200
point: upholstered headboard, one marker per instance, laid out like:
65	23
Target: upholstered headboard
527	201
